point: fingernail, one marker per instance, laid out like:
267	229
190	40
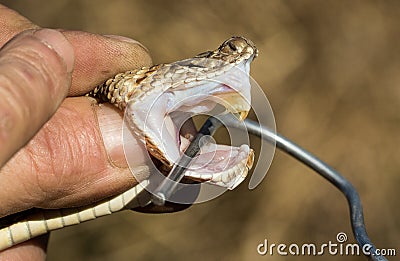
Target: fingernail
126	39
115	139
57	41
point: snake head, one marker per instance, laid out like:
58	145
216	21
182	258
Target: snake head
164	100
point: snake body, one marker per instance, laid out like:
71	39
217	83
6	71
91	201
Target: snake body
130	92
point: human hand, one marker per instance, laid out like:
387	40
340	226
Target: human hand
52	154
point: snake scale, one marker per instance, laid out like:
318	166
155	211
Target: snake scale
149	96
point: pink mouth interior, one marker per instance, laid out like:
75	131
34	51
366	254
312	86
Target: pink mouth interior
212	158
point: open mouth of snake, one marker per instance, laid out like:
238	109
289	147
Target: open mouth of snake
222	165
169	129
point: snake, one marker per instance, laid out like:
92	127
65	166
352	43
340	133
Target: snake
156	102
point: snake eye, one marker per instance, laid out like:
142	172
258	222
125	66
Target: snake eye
232	46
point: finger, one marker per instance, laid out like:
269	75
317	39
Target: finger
75	159
35	74
34	249
101	57
97	57
12	23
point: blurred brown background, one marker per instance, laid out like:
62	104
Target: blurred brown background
331	72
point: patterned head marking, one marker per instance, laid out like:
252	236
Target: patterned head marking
233	50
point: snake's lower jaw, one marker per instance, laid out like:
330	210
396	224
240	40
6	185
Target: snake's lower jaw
222	165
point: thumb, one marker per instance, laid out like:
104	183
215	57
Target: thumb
35	74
